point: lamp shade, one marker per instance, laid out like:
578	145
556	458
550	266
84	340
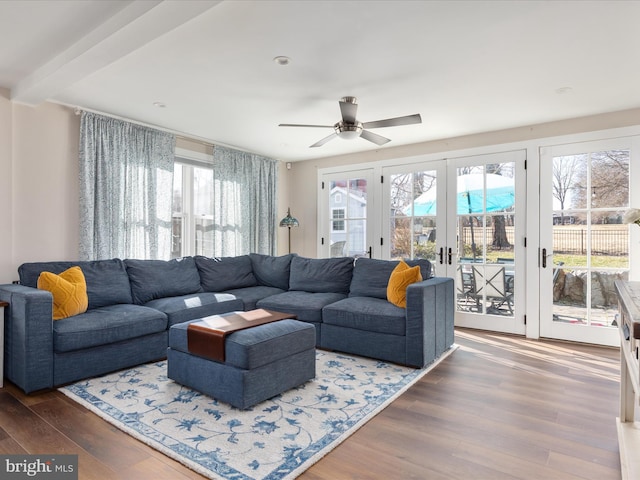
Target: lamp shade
289	221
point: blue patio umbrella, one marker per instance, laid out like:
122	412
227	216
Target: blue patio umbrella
500	195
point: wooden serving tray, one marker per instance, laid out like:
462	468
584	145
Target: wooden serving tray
206	337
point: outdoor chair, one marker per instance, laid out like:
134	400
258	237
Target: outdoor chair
491	284
465	288
337	249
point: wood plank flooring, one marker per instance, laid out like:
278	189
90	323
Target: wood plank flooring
500	407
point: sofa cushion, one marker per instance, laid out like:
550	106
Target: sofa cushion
305	305
225	273
424	264
107	280
401	277
106	325
151	279
371	276
366	313
69	292
196	305
319	275
251	295
271	271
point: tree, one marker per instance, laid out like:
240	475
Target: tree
567	187
500	239
608	185
404	189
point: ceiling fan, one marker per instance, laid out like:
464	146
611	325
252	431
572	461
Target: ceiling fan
349	127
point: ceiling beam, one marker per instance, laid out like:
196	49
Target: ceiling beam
137	24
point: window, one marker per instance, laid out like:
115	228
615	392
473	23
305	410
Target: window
337	220
192	220
177	218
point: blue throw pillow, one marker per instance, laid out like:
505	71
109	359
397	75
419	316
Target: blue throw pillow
107	280
151	279
371	276
321	275
271	271
225	273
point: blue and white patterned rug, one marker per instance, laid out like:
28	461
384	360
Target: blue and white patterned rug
276	439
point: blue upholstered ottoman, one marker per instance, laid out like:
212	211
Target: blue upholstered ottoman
259	362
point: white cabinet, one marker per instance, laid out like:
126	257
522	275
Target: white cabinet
628	424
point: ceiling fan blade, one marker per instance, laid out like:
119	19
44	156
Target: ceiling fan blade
374	137
301	125
394	122
319	143
349	109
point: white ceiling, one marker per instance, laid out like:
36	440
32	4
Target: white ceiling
465	66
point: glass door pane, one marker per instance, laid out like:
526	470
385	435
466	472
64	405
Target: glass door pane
485	207
413	220
345	205
585	244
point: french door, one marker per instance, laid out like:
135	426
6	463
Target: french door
462	215
584	246
485	247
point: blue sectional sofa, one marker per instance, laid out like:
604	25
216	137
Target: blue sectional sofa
133	303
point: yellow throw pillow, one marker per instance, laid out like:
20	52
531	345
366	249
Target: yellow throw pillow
69	290
401	277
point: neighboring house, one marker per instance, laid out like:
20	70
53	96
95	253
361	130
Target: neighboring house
348	225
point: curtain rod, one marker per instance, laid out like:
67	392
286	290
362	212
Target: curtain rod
183	136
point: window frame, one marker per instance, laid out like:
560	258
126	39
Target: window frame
188	160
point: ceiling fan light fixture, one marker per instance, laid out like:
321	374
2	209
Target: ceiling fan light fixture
348	131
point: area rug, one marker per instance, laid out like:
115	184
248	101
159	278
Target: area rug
276	439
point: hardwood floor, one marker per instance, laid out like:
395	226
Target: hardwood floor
500	407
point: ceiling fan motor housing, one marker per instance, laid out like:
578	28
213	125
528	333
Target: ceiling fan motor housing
348	131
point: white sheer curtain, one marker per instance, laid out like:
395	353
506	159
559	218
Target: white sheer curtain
244	202
126	178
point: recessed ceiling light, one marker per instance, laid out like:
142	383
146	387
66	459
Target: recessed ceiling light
282	60
159	104
563	90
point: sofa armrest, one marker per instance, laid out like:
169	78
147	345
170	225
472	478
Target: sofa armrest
430	317
28	345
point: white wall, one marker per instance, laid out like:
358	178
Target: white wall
285	201
6	224
45	183
38	184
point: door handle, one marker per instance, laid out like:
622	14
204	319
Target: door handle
544	257
450	254
441	255
370	250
